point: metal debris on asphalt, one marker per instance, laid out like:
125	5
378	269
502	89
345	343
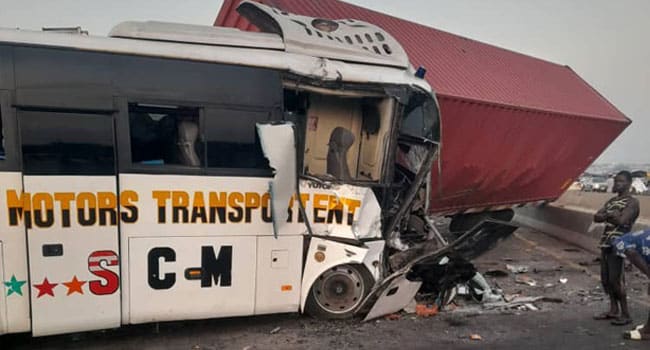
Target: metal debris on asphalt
517	268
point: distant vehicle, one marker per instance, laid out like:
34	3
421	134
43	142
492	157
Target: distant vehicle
639	186
595	184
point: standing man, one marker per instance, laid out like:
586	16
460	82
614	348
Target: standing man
619	215
636	247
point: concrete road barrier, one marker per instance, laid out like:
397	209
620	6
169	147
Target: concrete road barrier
570	218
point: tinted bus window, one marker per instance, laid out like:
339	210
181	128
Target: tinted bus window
232	140
66	143
165	135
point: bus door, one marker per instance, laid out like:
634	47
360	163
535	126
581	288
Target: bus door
69	209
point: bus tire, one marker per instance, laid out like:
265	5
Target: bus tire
337	292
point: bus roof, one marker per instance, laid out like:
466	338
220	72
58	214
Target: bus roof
220	51
344	39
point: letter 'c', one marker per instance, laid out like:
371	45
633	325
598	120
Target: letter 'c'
169	279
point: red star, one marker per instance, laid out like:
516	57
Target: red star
74	286
45	288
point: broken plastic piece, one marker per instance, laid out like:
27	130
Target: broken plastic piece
476	337
279	147
483	289
425	310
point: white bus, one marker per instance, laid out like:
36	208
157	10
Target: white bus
175	172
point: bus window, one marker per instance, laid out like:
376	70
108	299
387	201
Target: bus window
66	143
164	135
232	140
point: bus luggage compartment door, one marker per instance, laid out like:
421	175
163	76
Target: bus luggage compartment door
69	207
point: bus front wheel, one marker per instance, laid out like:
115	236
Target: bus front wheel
338	292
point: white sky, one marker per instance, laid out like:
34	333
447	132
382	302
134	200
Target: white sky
606	42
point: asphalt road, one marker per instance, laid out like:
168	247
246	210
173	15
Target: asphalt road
566	325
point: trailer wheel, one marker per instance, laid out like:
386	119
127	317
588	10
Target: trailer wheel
338	292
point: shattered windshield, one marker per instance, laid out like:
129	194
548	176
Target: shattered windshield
421	118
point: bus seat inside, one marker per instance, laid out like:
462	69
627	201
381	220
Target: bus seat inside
360	123
188	132
339	144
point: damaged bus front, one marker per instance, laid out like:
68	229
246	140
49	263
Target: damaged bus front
363	151
339	180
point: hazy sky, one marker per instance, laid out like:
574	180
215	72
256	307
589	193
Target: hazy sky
606	42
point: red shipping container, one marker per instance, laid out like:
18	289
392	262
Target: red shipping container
515	129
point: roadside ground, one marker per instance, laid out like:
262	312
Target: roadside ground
556	325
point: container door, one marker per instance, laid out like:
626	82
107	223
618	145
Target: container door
69	207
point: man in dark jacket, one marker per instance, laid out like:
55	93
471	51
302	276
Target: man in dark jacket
619	215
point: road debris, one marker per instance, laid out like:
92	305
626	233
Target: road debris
275	330
393	317
531	307
517	268
426	310
520	303
564	280
526	280
555	269
482	290
476	337
496	273
410	308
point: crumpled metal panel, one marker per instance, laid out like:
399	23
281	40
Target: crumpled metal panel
340	39
356	207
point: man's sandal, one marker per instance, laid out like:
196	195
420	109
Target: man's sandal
634	335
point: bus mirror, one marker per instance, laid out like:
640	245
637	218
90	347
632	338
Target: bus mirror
279	147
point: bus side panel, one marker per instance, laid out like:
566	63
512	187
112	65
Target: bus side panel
15	294
176	278
279	267
75	285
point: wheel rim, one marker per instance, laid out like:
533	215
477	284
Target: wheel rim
339	290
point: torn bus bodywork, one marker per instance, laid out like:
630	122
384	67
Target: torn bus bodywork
370	147
341	154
